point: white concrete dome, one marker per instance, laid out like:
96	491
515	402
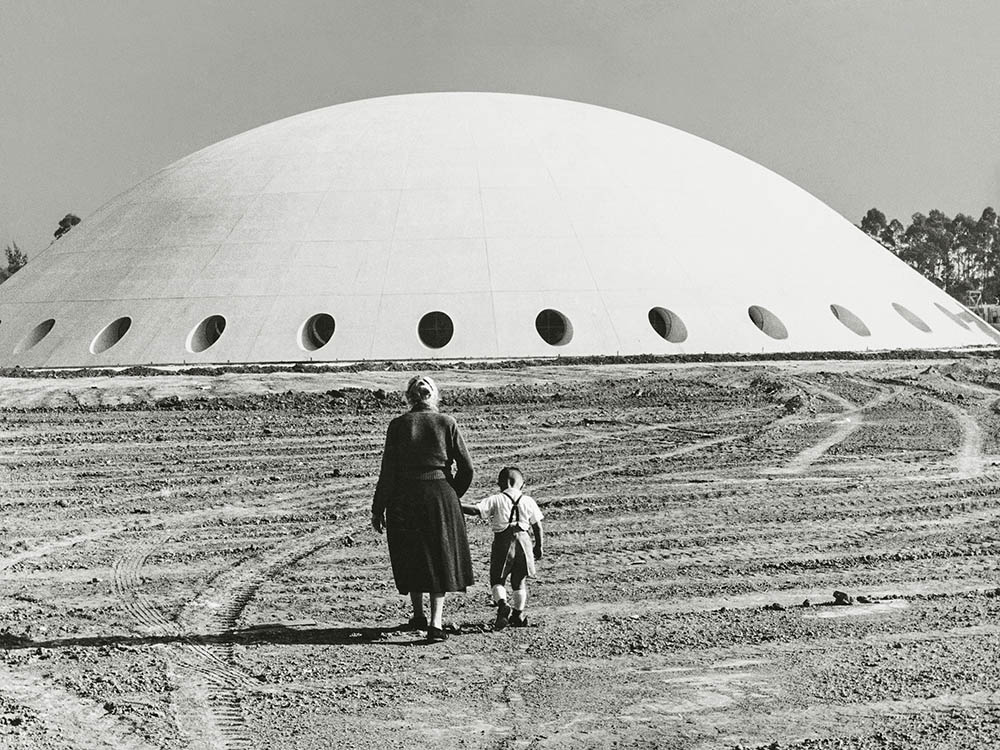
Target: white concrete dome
464	225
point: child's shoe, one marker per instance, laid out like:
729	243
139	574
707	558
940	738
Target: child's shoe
518	619
503	612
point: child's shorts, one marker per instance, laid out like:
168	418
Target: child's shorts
511	555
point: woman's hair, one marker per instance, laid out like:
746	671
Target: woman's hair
422	390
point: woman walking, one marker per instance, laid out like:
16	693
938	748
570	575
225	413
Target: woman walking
425	470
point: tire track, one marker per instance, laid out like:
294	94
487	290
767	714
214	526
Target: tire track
152	621
969	456
77	721
209	691
809	456
207	679
205	672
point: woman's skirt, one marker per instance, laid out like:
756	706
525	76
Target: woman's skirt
428	546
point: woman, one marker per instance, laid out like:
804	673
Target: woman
416	502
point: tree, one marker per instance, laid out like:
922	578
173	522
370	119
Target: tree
874	223
965	258
987	233
15	261
15	258
896	233
888	234
919	249
66	223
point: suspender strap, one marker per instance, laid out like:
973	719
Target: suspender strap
512	520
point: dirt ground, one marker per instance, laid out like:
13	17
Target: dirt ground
187	562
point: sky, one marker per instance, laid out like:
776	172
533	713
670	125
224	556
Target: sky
886	103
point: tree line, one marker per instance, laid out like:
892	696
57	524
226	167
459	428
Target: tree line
960	254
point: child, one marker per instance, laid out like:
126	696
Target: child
510	513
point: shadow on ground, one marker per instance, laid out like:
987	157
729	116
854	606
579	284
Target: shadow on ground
277	634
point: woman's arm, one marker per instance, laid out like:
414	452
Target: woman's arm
386	483
463	462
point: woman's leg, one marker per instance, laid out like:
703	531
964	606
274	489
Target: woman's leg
437	605
417	600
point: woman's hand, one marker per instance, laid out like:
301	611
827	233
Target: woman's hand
378	522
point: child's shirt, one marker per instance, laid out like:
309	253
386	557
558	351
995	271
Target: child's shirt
497	510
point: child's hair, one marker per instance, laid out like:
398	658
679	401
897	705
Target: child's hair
508	474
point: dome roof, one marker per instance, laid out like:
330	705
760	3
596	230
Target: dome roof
464	225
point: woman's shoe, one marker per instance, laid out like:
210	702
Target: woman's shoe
518	620
436	635
417	622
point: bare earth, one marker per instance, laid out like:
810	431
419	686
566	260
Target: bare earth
186	562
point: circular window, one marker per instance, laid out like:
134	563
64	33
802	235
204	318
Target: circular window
850	320
317	332
554	327
668	324
38	333
111	334
768	322
435	329
206	333
910	317
953	316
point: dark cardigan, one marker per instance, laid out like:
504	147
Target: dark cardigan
421	440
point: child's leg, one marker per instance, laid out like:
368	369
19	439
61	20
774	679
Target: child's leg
519	598
503	609
498	554
519	594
